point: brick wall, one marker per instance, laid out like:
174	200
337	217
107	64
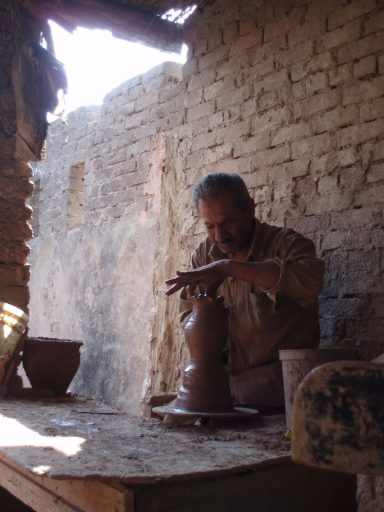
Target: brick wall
15	183
72	143
291	95
287	93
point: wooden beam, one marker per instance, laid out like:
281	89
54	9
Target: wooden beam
49	495
278	488
125	22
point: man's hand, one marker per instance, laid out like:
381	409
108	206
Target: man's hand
210	277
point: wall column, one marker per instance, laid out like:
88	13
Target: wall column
26	95
15	183
15	230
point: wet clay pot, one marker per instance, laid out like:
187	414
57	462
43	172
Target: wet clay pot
205	386
51	363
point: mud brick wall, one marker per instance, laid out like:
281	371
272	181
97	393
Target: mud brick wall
15	184
15	230
287	93
72	142
290	94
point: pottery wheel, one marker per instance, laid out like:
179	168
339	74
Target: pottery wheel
236	413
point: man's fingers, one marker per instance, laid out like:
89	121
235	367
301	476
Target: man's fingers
174	289
178	280
205	277
186	277
173	280
183	280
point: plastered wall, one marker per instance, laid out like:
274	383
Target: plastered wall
94	254
287	93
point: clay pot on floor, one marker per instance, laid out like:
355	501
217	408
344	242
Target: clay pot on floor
51	363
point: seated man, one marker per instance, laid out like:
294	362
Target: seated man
270	279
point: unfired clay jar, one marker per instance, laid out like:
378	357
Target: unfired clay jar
205	386
51	363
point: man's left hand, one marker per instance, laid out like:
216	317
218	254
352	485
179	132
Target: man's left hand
211	275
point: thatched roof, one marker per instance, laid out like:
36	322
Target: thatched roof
134	20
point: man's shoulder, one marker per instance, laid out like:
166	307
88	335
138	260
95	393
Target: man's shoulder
278	231
277	237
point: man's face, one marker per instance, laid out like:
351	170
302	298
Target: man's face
228	226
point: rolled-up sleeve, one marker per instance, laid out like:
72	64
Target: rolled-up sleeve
301	275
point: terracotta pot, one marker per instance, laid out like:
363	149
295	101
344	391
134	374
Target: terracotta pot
205	386
297	363
51	363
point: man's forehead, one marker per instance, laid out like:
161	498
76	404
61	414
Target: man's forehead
221	206
222	198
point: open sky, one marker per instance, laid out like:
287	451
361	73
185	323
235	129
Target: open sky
96	63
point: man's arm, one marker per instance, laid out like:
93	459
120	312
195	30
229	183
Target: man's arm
301	272
213	274
263	274
294	271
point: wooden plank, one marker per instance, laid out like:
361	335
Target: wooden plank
45	494
124	21
285	487
338	418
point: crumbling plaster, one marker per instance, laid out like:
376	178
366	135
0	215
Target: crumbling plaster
93	282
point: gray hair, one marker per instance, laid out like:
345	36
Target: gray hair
212	185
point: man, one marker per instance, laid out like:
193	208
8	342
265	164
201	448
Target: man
270	279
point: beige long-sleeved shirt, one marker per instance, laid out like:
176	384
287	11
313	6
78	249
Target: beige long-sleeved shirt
261	322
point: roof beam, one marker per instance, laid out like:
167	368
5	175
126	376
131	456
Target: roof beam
125	22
